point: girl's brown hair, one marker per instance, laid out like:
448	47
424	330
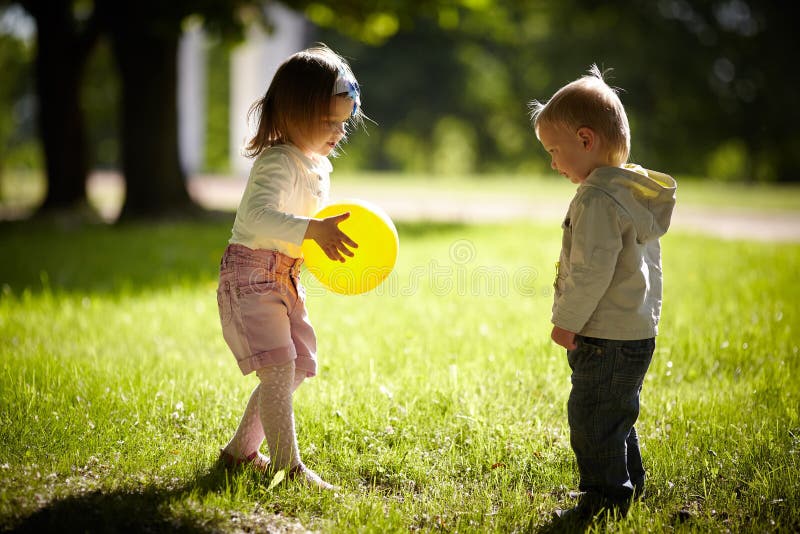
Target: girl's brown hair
298	99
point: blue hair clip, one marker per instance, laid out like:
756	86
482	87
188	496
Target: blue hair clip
347	84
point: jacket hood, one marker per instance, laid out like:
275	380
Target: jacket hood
648	196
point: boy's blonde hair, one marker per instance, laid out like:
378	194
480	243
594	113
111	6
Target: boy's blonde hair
588	102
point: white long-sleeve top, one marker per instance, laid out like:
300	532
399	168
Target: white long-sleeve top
284	190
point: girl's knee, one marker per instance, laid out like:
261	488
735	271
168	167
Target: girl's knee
279	372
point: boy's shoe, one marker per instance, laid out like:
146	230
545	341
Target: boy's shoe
589	505
256	460
638	490
575	514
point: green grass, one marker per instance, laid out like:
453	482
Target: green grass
440	404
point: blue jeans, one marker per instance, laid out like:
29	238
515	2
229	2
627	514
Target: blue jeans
603	406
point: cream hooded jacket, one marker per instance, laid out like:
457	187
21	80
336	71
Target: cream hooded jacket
609	274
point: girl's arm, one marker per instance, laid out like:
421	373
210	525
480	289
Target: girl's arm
263	209
331	240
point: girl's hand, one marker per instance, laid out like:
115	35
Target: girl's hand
565	338
330	239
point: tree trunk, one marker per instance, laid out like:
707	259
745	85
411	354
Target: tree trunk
61	54
146	54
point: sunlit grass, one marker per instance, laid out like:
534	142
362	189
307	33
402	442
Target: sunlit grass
440	402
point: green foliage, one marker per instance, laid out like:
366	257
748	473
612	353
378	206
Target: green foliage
17	125
367	22
101	102
447	82
691	73
455	147
728	162
440	403
217	108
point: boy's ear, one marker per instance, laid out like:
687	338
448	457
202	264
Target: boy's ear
587	137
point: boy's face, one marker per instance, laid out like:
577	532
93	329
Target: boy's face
573	154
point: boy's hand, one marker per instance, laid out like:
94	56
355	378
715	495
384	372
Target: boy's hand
565	338
330	239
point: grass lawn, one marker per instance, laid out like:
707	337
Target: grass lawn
440	404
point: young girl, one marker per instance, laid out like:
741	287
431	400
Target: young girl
313	97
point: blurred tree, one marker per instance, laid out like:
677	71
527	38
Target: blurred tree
699	75
65	36
101	93
144	36
703	81
144	39
408	84
217	145
457	71
14	57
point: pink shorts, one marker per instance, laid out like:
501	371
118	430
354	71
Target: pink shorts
262	310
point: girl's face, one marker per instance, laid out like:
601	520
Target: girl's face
327	135
573	154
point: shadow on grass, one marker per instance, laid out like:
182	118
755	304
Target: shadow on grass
149	510
41	256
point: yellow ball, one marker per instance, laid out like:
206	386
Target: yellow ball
374	259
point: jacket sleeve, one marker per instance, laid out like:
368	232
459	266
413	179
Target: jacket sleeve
268	190
596	244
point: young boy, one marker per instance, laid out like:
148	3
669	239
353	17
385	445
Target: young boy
608	287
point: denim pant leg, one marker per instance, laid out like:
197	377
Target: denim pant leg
603	406
635	466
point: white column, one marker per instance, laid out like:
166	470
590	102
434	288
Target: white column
192	87
253	64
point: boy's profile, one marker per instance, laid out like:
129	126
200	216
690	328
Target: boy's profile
607	299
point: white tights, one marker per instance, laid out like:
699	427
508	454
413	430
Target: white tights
269	415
